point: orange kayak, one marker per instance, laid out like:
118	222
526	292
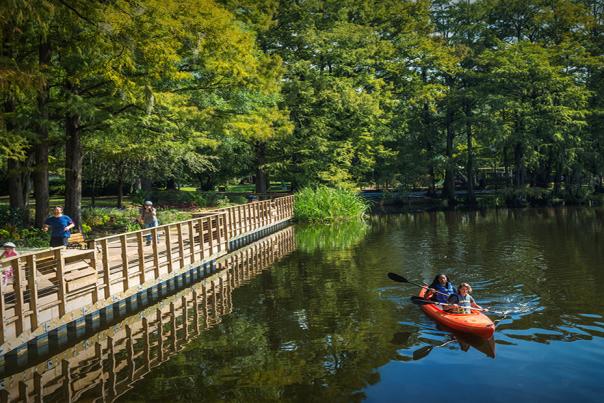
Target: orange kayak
473	323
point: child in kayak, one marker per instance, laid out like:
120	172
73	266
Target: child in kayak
462	301
440	289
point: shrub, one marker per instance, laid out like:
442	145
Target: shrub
324	204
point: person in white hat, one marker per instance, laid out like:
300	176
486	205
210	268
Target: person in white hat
10	250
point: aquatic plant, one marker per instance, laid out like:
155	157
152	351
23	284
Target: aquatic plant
324	204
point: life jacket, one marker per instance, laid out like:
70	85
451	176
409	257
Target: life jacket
448	290
465	303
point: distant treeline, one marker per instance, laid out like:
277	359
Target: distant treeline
387	93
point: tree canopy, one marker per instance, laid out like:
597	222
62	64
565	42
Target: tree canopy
371	93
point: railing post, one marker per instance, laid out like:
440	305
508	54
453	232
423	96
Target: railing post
91	244
60	280
181	246
19	299
141	256
191	243
155	253
106	274
125	274
33	290
211	235
168	247
201	241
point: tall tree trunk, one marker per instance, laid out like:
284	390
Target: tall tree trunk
120	189
73	168
449	185
15	184
261	174
41	146
518	165
471	196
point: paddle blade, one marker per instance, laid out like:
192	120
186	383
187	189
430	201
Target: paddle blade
422	352
397	278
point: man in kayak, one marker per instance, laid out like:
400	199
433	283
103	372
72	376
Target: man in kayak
440	289
462	301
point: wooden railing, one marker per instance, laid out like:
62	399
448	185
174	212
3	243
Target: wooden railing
59	285
108	364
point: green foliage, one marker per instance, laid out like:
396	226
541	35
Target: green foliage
323	204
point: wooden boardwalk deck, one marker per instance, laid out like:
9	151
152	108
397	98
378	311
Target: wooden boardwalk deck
56	286
105	366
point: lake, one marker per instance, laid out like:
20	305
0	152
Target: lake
322	322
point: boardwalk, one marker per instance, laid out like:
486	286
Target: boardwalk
57	286
106	365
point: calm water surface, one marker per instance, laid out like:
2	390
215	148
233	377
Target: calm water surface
325	324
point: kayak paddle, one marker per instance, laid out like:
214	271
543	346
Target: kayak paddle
400	279
424	351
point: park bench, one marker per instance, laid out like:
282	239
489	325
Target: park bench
76	240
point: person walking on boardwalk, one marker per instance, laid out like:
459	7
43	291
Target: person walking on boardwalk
148	218
60	225
10	250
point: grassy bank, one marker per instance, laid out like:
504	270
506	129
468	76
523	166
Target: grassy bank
323	204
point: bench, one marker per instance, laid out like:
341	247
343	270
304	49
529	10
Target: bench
76	240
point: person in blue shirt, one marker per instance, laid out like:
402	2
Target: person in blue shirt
59	225
444	287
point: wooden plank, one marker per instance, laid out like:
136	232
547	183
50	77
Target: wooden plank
105	260
125	274
155	252
33	290
181	246
168	247
191	242
141	257
19	298
60	280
